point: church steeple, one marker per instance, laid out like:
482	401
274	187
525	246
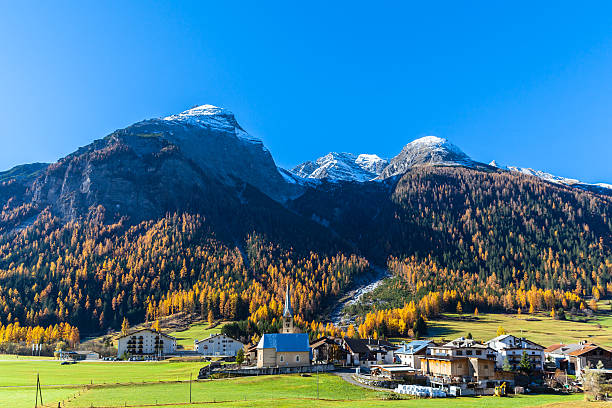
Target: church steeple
287	314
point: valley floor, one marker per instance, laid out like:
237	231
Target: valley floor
539	327
139	384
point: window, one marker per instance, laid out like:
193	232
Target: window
297	358
478	352
459	352
468	352
282	358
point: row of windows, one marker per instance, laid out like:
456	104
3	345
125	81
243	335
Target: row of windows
282	358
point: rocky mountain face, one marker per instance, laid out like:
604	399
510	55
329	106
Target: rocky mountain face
203	160
196	159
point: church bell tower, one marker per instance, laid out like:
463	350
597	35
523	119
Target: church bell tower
287	315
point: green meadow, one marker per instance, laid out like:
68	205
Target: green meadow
198	331
540	327
137	384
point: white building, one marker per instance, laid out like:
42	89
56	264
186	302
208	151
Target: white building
146	342
409	353
217	345
511	348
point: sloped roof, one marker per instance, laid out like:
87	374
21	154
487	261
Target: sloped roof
519	340
587	348
553	347
463	342
413	347
212	336
284	342
363	345
131	333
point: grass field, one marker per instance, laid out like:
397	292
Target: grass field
23	373
198	331
540	328
135	384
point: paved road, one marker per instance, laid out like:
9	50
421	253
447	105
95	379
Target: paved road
348	377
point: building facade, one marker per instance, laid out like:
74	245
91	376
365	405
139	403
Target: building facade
511	348
409	354
146	342
368	352
460	360
574	358
218	345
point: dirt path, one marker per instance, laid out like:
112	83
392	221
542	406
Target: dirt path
348	377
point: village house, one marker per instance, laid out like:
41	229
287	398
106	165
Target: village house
574	358
367	352
459	360
409	354
392	371
79	355
284	349
217	345
511	348
327	350
146	342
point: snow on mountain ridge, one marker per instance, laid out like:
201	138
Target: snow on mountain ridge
212	117
570	182
341	166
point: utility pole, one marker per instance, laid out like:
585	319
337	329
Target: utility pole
38	390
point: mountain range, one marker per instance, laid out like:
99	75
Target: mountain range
157	203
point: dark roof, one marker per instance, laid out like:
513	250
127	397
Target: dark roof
285	342
321	341
363	345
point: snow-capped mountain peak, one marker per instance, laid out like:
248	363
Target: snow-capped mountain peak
342	166
212	117
427	151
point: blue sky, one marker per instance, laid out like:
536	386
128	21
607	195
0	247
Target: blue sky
525	83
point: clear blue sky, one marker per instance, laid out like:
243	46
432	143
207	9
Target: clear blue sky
525	83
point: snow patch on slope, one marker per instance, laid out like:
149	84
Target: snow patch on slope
212	117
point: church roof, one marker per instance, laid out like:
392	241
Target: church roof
284	342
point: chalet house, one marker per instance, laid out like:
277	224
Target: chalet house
284	349
217	345
511	348
328	350
576	357
367	352
146	342
409	353
458	361
80	355
392	371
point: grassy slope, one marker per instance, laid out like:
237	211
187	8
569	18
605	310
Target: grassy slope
198	331
542	329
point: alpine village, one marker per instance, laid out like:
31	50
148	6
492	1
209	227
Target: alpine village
174	263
